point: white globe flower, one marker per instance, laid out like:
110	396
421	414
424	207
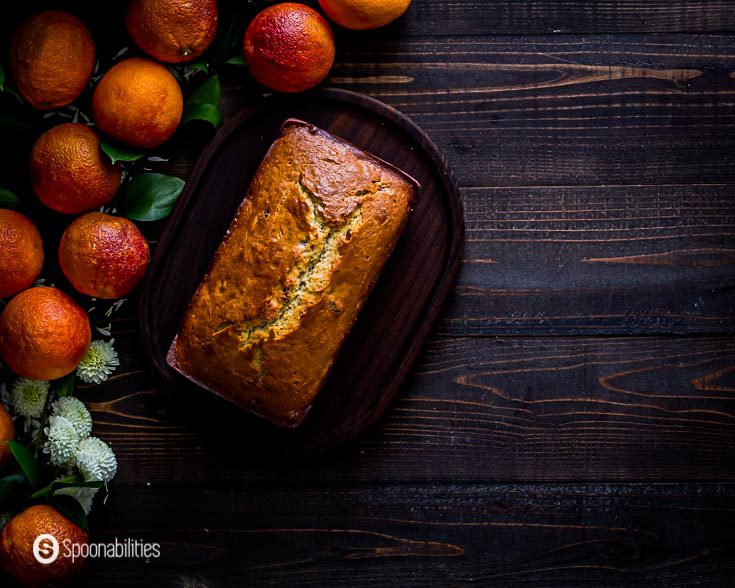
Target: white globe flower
63	441
28	397
73	410
95	460
99	362
83	495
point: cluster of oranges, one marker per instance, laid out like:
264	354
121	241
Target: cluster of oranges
288	47
44	333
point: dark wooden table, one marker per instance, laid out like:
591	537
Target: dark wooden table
572	419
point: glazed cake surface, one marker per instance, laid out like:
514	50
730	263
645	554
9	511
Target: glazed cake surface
286	285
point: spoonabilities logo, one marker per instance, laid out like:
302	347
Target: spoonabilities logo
45	549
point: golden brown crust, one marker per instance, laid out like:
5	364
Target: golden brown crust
301	255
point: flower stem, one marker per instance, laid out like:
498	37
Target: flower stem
46	489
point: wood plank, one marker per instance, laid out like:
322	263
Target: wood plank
477	410
477	17
520	111
507	535
626	259
530	111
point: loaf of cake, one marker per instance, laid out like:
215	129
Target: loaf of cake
285	286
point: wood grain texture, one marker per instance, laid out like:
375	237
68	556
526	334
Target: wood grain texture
563	111
477	17
623	259
506	535
477	409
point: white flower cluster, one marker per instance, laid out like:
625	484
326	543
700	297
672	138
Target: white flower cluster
96	460
62	441
70	447
76	413
99	362
27	398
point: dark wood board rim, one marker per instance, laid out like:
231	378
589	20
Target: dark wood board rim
161	373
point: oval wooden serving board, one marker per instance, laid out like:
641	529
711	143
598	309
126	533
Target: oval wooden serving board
398	315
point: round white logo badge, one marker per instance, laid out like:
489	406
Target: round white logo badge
45	549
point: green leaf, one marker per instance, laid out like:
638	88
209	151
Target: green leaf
203	103
2	79
8	199
65	386
206	112
150	197
27	462
237	60
74	481
119	153
208	93
10	484
71	509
